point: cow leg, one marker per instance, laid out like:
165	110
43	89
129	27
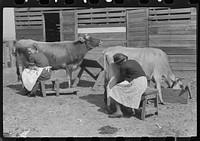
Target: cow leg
69	76
158	86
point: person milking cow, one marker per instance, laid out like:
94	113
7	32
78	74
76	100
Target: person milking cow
132	85
38	70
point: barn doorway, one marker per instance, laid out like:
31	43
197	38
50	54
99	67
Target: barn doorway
52	27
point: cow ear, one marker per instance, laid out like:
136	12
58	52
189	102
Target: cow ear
81	39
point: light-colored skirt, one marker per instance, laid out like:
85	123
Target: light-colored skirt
29	77
129	94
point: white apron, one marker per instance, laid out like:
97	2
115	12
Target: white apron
29	77
128	94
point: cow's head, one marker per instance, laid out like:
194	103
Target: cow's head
177	83
90	42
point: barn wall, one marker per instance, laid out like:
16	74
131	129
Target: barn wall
174	31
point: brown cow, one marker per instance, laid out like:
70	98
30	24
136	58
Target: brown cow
66	55
154	62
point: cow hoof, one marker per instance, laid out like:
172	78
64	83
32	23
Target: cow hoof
162	103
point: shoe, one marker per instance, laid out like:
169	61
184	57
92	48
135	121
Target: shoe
115	115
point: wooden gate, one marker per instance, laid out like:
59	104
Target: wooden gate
137	28
68	26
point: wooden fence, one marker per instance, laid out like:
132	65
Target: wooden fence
174	31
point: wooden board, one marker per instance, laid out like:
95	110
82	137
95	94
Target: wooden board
68	26
175	96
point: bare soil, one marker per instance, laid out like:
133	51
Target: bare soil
84	114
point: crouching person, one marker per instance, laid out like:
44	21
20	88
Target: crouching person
129	91
38	70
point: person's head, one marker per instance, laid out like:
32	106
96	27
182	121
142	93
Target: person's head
119	58
32	49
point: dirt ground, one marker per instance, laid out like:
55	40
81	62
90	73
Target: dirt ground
84	114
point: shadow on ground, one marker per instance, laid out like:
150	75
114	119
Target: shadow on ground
15	87
97	100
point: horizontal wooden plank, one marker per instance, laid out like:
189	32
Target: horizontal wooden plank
28	36
137	20
137	38
172	37
28	14
106	15
182	58
43	9
170	30
162	17
183	66
96	10
108	36
172	23
178	50
29	23
138	15
28	18
158	8
137	29
136	24
102	25
102	20
172	43
170	11
29	27
136	33
136	43
29	31
140	10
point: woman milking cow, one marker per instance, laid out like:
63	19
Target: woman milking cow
38	70
131	84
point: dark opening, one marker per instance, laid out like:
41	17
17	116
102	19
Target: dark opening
52	27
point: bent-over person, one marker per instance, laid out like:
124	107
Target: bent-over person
39	70
129	91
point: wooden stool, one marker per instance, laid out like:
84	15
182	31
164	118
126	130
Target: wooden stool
55	88
150	93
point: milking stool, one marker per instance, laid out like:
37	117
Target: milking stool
149	94
55	88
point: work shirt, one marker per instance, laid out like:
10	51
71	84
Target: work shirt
130	70
38	59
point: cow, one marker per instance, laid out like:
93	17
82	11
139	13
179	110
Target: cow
66	55
153	61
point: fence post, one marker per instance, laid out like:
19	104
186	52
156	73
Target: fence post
147	27
12	61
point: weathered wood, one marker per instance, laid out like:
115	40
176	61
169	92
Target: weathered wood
103	15
101	25
170	11
108	36
29	31
172	43
102	20
179	16
183	66
100	10
28	23
172	37
172	23
182	58
29	27
177	50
